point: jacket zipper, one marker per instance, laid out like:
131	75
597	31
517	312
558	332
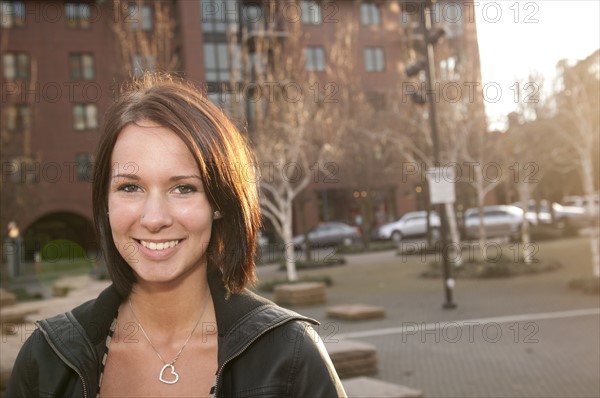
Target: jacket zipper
65	360
232	357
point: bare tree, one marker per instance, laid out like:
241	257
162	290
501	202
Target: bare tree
577	123
485	170
144	32
293	125
530	151
460	117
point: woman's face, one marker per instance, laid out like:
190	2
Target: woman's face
158	210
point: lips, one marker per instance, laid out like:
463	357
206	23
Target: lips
158	246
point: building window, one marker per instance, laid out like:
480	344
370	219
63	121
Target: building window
23	170
142	64
232	104
448	69
85	116
140	20
311	12
85	166
12	14
217	15
15	65
81	66
77	15
369	14
219	63
314	59
374	59
16	117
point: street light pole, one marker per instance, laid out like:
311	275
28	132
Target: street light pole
426	25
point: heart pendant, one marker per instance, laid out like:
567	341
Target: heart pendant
172	370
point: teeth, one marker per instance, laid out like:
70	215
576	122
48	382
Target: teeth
160	245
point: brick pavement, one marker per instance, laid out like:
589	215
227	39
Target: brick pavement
561	357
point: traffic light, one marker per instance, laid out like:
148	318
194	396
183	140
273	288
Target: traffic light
412	70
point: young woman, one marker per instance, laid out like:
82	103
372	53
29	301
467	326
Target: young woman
177	214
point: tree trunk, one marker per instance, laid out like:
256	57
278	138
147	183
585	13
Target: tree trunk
523	188
290	254
588	189
480	204
366	210
307	248
454	235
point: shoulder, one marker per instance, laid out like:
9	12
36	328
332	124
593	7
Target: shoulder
95	316
297	361
25	372
313	372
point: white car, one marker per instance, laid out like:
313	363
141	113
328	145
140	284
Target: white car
498	221
583	202
410	225
568	218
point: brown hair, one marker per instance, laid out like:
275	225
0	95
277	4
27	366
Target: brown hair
226	165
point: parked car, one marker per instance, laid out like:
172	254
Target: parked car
583	202
410	225
498	221
542	216
567	218
331	233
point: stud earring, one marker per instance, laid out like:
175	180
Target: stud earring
216	214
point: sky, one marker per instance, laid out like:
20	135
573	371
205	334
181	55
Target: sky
516	37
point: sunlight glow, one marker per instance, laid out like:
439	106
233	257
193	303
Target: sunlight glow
516	38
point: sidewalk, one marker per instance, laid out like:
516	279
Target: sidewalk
520	336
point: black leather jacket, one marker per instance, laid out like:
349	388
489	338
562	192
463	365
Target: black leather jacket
264	350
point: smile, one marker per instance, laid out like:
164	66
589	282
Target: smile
160	245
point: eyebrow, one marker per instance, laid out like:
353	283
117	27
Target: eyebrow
177	178
129	176
174	178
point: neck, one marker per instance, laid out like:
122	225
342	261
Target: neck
172	309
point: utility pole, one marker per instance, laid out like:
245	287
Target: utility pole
431	36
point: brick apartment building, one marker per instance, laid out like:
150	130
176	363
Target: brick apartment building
61	63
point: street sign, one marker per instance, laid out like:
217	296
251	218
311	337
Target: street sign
441	185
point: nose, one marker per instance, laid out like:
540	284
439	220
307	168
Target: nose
155	213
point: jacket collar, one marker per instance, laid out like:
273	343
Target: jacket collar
96	316
241	318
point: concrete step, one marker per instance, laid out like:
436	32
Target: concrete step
300	294
356	312
7	298
353	358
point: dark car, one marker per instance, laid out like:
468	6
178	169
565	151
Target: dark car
332	233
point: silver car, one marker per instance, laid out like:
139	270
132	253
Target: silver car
498	221
566	218
410	225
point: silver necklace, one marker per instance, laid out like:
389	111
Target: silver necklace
170	365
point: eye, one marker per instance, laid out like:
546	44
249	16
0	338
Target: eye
185	189
128	188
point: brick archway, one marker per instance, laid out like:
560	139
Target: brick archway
58	225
